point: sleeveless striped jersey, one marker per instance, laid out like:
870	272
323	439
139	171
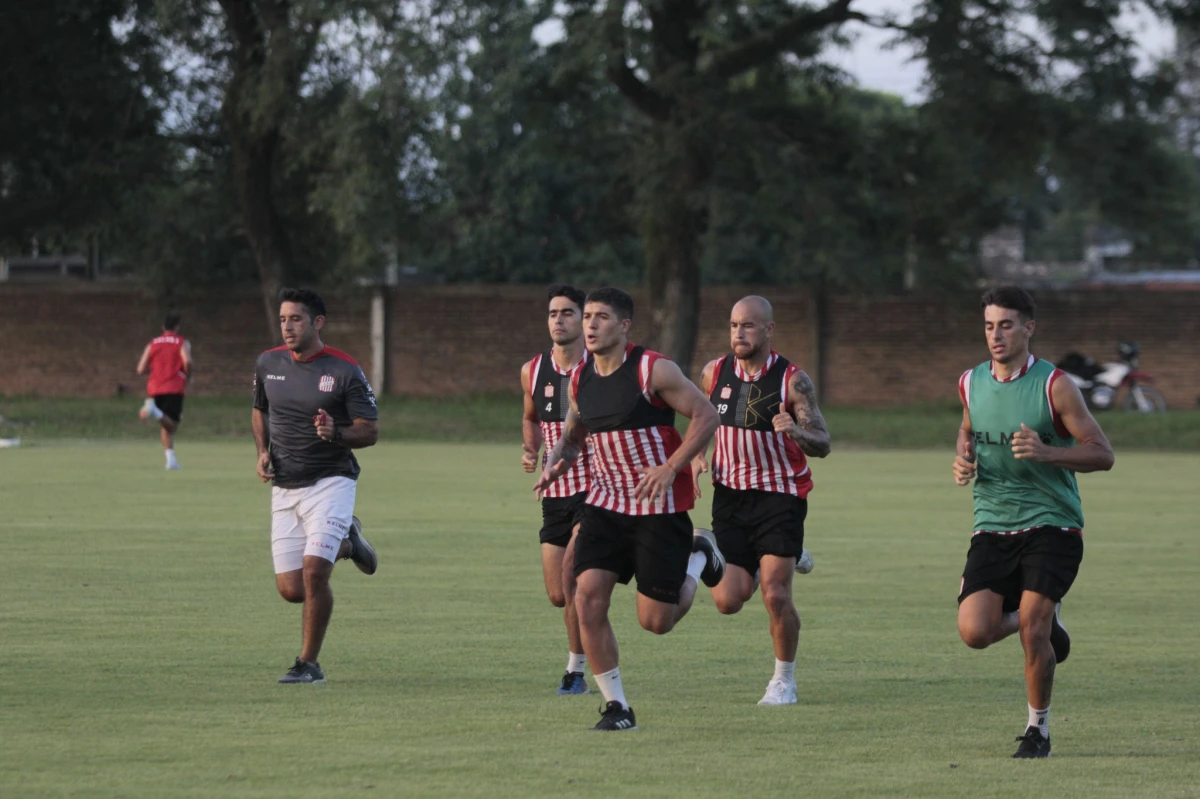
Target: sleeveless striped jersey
749	454
1014	496
548	386
630	429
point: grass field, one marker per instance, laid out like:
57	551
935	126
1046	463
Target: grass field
141	640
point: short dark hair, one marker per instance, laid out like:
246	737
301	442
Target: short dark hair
570	292
1013	298
171	321
614	298
310	299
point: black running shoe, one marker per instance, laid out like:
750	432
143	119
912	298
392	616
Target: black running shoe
615	718
1033	744
704	541
361	551
304	672
1059	639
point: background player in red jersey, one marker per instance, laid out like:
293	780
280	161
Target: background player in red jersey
168	359
312	407
545	381
769	424
637	524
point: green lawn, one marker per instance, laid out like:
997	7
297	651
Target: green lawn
141	637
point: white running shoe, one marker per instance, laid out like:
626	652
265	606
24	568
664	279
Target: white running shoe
779	693
804	563
149	410
173	465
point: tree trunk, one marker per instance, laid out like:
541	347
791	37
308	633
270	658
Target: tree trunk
253	168
673	225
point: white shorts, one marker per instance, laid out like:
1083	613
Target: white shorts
310	521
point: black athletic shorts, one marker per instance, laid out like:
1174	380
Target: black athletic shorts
653	548
1044	560
171	405
559	517
750	524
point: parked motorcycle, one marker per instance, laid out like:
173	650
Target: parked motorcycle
1102	384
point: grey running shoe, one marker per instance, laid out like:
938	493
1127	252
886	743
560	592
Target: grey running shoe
304	672
361	551
804	563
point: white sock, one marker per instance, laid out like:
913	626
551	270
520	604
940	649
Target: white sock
696	564
610	686
756	575
785	671
170	456
1040	719
576	664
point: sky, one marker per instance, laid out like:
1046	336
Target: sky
894	70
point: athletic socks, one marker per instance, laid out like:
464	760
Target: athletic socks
696	564
610	686
785	671
171	458
1040	719
576	664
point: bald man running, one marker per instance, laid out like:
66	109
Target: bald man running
769	424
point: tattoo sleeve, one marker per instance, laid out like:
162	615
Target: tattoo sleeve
812	435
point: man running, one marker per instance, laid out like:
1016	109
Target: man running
1025	433
637	524
312	407
770	422
545	383
168	359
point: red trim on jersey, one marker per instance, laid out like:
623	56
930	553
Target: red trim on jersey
275	349
746	377
335	354
964	389
788	374
1020	373
535	366
645	371
1054	415
716	372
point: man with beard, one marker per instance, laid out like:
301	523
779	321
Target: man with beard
312	407
545	382
770	426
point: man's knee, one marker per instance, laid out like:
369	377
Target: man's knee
292	590
974	636
1034	633
591	604
727	602
557	598
657	623
778	600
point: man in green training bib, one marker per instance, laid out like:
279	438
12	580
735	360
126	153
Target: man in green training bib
1025	433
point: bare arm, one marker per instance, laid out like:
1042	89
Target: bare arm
358	434
185	352
262	442
964	452
700	462
531	431
669	383
1091	453
144	361
809	431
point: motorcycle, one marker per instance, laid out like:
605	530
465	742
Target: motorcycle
1102	384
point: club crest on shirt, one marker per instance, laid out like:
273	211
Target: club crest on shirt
726	392
326	383
549	390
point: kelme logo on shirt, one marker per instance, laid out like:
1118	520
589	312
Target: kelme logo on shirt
985	437
326	383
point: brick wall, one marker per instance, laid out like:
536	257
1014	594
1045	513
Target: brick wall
84	339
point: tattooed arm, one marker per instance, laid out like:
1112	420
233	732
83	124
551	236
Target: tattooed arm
807	426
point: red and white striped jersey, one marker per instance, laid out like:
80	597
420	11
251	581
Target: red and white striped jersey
631	429
548	385
749	454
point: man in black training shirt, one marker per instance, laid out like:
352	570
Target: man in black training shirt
312	406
